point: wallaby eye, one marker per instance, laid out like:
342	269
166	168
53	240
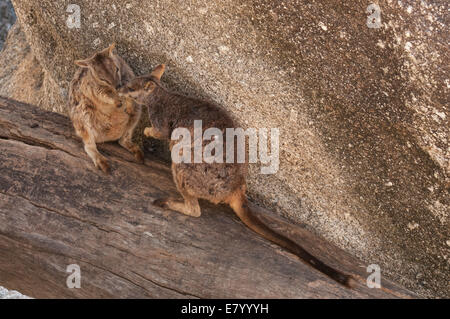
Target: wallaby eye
105	81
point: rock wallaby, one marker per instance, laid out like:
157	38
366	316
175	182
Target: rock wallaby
97	112
215	182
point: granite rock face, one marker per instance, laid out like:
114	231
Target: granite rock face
7	18
22	77
362	105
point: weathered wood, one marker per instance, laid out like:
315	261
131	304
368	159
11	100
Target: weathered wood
56	209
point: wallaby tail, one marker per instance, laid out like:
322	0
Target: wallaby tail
239	204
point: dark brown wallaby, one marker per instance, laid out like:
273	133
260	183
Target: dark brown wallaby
216	182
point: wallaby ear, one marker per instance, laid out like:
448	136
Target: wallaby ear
82	63
149	86
158	71
108	51
111	49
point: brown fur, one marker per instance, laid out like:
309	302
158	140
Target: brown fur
216	182
97	112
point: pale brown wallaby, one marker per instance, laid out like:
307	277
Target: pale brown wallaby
216	182
97	112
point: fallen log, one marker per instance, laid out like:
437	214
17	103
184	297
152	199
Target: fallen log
56	210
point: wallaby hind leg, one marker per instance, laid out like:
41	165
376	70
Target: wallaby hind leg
189	206
91	149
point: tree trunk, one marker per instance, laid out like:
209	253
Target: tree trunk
57	209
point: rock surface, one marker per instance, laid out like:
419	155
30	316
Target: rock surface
11	294
7	18
22	77
363	112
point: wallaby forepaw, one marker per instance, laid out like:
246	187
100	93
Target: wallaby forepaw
103	165
148	131
160	202
139	156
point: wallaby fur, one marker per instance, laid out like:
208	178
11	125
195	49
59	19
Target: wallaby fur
215	182
97	112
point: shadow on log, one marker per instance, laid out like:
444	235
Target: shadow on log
56	209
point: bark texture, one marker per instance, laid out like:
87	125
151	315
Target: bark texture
56	209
